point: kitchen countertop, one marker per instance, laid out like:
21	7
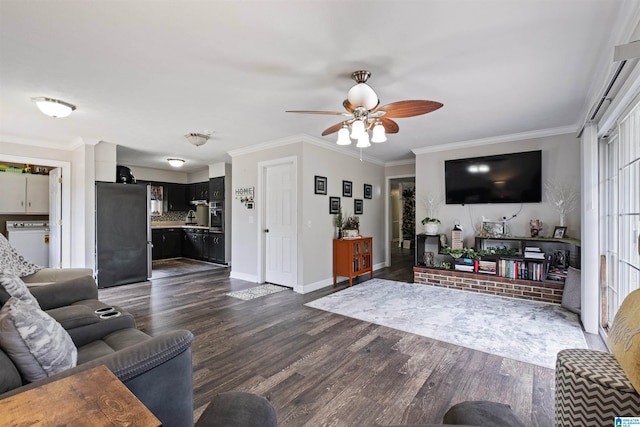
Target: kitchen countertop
175	224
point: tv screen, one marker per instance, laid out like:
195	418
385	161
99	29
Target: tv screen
505	178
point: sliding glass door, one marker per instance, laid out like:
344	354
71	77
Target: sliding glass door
620	214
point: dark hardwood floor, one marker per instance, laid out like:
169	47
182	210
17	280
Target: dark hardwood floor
319	368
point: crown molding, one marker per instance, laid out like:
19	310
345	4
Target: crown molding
302	138
496	139
402	162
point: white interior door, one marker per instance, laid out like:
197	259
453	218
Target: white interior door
55	218
280	224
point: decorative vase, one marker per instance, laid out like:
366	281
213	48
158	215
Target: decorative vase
427	257
561	219
431	228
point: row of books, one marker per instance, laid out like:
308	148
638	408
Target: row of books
517	269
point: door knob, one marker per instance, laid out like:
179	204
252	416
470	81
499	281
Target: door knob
266	230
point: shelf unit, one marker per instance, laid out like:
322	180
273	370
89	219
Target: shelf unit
351	258
428	243
559	254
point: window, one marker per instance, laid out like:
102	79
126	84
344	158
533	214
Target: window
620	213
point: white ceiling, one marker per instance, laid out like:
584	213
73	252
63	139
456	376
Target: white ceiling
144	73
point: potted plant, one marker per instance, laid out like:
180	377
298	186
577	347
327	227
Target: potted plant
431	225
339	222
351	226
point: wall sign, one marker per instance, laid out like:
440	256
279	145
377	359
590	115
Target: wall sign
245	194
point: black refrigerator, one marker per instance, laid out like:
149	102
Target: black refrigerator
123	234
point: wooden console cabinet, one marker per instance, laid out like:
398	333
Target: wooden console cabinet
351	258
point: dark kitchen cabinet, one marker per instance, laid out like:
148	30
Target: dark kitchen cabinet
193	246
177	197
216	189
199	191
167	243
216	253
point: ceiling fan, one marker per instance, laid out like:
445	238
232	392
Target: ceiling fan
362	113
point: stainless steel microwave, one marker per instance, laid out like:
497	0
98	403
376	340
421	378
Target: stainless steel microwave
216	216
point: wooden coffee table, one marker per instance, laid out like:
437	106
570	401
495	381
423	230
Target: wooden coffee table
94	397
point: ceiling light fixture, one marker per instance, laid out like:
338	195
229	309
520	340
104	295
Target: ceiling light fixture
176	163
358	130
197	139
54	107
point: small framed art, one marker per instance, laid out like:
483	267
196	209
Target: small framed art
334	205
358	207
559	232
368	191
320	185
347	188
492	229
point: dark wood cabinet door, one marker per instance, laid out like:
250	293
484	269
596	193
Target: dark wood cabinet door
157	238
172	245
216	189
218	248
177	197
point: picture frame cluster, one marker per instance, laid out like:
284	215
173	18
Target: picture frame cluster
335	203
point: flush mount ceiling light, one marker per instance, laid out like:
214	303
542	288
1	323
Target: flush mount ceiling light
197	139
176	163
54	107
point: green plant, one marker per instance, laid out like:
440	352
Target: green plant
463	253
351	223
408	213
429	219
339	219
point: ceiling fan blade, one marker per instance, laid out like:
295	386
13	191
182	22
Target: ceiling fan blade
348	106
400	109
332	129
330	113
389	125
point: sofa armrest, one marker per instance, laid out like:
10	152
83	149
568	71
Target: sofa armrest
55	275
158	371
64	293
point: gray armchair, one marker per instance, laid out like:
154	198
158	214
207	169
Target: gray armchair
157	369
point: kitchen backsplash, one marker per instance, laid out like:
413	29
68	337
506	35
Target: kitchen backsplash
170	216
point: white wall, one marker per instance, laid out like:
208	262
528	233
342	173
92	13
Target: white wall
316	228
560	163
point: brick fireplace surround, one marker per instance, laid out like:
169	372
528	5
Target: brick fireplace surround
490	284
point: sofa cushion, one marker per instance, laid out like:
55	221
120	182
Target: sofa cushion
9	375
37	344
624	337
571	299
12	262
15	287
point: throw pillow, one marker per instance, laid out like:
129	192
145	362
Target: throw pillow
624	337
13	262
37	344
571	299
15	287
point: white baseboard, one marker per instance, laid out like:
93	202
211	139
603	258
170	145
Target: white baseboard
241	276
310	287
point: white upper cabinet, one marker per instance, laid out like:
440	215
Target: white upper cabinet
24	193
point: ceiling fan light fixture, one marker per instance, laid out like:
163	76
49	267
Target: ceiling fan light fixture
54	107
378	133
343	136
357	129
176	163
197	139
363	140
362	95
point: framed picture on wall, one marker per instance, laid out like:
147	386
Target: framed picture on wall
320	185
358	207
334	205
368	191
347	188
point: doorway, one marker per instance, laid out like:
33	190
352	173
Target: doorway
401	223
278	222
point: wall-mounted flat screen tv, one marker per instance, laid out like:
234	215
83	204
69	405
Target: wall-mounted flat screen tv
505	178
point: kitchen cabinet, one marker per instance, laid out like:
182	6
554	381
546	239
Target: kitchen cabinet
167	243
216	189
193	246
24	193
199	191
177	197
214	247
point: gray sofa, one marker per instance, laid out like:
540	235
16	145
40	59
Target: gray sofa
156	369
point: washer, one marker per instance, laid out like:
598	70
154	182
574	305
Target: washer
31	240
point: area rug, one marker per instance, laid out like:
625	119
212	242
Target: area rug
528	331
257	292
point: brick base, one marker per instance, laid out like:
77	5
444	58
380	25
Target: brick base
490	284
